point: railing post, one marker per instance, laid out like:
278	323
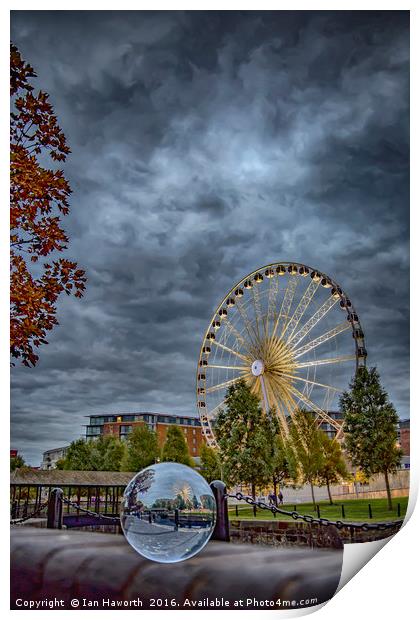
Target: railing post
55	510
221	531
14	509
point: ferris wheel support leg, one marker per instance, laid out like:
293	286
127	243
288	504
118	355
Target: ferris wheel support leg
267	406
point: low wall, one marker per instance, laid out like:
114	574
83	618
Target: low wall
65	569
285	534
372	494
299	533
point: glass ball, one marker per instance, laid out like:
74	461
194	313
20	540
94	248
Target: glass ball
168	512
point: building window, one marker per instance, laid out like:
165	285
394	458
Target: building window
93	431
96	420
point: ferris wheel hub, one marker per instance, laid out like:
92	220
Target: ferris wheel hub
257	368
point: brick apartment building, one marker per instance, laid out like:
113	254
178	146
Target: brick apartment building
121	424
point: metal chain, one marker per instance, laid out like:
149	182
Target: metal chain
31	516
249	500
365	527
89	512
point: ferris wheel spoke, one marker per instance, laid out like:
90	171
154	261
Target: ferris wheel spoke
321	339
327	360
328	398
271	305
286	304
223	339
246	368
288	398
237	334
291	406
248	325
216	408
281	393
258	311
323	385
304	302
276	403
310	324
221	386
254	385
309	403
229	350
339	434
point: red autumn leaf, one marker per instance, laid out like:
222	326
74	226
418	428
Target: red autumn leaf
38	199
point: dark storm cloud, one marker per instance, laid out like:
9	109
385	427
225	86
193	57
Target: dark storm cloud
205	145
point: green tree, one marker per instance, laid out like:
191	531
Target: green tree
307	445
16	462
175	448
141	449
244	434
210	467
370	426
107	453
283	463
78	457
102	454
334	467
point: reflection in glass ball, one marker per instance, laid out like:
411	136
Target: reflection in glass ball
168	512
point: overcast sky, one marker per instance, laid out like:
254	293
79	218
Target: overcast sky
205	145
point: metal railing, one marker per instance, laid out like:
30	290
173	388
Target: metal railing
27	499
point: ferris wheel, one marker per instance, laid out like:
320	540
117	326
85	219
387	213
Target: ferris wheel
292	334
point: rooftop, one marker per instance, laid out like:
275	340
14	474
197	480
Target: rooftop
172	415
60	477
56	449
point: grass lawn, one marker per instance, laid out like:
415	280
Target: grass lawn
354	509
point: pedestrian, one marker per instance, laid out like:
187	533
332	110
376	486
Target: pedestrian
280	497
